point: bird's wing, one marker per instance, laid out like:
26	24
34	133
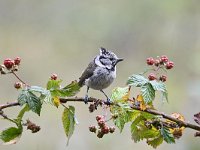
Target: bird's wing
87	73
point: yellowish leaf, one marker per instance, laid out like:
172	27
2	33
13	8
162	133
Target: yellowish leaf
56	101
141	102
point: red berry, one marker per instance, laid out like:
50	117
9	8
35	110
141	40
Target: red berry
156	62
169	65
164	59
112	129
99	117
18	85
150	61
93	129
8	63
152	76
17	60
54	76
105	130
163	78
101	122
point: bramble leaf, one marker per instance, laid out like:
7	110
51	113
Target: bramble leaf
167	136
160	86
148	93
68	120
31	99
137	80
71	90
56	91
45	94
155	142
10	135
120	94
53	84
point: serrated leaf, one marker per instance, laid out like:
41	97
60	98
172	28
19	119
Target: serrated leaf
68	120
120	94
137	80
155	142
71	90
22	98
148	93
139	131
124	114
10	134
31	99
160	86
34	103
45	94
167	136
53	84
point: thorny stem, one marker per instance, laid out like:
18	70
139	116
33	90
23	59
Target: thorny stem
150	111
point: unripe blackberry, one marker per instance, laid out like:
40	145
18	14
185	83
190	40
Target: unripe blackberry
150	61
18	85
112	129
54	76
99	117
164	59
105	129
8	63
152	76
93	129
163	78
17	60
101	123
169	65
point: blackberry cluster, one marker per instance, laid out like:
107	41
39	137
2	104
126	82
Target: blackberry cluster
102	128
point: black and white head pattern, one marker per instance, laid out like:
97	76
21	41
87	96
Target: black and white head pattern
106	59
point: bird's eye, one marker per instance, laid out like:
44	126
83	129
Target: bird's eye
111	59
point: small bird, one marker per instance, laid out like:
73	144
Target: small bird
100	72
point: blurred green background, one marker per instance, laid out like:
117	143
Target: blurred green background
63	36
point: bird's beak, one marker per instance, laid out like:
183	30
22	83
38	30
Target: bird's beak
119	59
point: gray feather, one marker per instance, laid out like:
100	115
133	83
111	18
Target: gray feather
89	71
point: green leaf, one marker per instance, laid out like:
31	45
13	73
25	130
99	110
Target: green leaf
53	84
10	134
124	114
68	120
31	99
160	86
167	136
120	94
135	129
155	142
45	94
148	93
137	80
22	98
71	90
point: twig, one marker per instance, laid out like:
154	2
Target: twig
19	78
151	111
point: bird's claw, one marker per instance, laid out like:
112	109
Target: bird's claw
108	102
86	99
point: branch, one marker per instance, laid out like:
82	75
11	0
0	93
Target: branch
150	111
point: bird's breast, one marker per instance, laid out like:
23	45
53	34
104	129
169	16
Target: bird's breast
101	78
